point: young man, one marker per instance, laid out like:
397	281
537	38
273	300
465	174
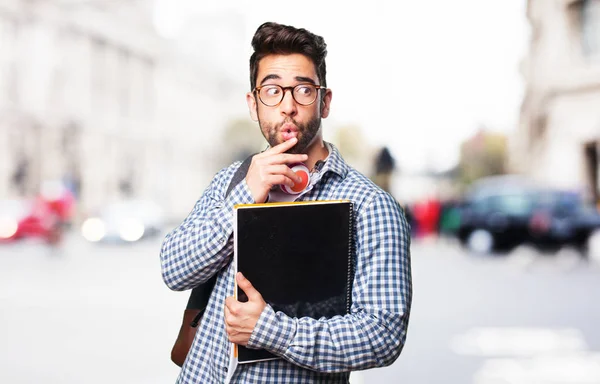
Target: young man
288	100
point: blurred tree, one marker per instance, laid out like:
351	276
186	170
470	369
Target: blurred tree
242	138
354	147
482	155
350	140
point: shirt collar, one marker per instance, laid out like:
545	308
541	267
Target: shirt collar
335	163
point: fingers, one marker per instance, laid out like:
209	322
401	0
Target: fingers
270	168
281	148
281	174
231	305
281	158
248	288
240	320
232	311
230	322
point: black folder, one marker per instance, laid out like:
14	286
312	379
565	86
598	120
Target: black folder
299	256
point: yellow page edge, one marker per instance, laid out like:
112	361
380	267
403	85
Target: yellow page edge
251	205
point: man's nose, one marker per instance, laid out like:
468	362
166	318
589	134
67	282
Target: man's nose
288	105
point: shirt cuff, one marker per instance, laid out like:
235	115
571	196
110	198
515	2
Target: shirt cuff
273	332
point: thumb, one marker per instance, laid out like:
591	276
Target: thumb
248	288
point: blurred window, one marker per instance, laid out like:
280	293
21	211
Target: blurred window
590	28
124	84
9	29
515	204
98	73
512	204
482	205
559	203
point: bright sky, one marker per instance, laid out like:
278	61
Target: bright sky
417	76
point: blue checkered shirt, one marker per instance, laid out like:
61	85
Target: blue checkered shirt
311	350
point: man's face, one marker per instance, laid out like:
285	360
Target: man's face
289	119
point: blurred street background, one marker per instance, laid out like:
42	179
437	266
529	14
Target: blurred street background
83	313
481	117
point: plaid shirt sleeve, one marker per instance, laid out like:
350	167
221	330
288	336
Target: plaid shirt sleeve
201	245
373	334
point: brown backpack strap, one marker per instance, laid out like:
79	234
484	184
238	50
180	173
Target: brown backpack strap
239	175
201	294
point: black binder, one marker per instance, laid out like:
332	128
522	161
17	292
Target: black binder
299	256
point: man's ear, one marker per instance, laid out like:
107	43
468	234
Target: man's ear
326	103
251	100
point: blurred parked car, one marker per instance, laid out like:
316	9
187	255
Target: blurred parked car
124	221
21	219
501	212
561	217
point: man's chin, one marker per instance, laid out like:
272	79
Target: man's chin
295	150
299	148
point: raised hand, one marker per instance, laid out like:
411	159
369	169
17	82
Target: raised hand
270	168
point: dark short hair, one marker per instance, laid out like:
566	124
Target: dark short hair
272	38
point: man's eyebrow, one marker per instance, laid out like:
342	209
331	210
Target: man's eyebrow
301	79
270	77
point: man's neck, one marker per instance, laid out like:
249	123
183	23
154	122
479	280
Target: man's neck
317	151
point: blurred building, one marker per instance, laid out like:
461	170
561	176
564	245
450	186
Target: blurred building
481	155
558	141
92	95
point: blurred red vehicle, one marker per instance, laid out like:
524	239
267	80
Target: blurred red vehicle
19	219
25	219
44	217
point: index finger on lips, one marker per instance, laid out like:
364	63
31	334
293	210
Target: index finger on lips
280	148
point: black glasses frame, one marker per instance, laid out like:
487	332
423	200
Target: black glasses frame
283	89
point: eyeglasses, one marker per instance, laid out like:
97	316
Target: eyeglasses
304	94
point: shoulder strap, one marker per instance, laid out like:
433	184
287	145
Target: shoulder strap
239	174
200	295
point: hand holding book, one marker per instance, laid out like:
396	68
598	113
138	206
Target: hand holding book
241	317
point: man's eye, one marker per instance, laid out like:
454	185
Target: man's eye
272	91
304	90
